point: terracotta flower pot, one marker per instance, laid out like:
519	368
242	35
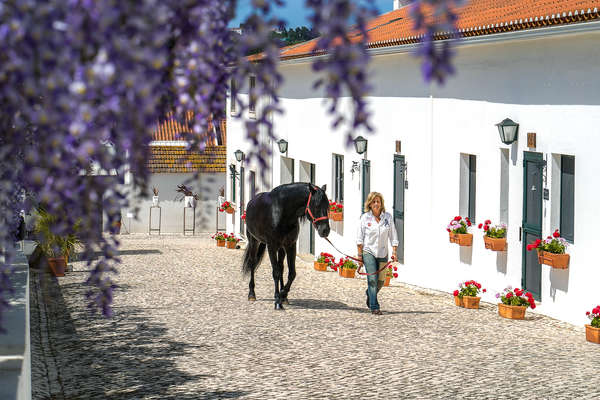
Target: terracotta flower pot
471	302
231	244
58	265
341	271
494	244
320	266
592	334
387	281
560	261
220	243
230	210
458	301
511	312
462	239
336	216
348	273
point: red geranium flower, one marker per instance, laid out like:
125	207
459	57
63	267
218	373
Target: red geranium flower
556	234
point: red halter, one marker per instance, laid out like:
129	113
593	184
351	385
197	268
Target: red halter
310	212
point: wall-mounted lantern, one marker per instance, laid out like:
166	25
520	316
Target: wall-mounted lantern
239	155
283	145
508	130
360	145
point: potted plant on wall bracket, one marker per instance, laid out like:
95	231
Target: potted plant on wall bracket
592	331
227	207
495	236
458	231
336	211
514	303
56	247
551	251
466	294
155	197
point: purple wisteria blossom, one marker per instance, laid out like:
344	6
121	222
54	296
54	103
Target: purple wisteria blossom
83	83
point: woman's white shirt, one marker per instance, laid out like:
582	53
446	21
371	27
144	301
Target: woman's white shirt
374	235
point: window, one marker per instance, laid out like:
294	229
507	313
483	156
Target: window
232	97
338	178
472	181
251	96
252	184
468	169
567	197
504	186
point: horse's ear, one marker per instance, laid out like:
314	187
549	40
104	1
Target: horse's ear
324	187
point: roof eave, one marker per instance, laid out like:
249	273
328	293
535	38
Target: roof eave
522	34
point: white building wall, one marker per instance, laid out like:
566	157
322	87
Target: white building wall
547	85
207	188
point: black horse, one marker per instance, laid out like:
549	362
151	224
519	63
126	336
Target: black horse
272	222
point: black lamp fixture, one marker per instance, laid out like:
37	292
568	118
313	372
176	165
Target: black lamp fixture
360	144
508	130
239	155
283	145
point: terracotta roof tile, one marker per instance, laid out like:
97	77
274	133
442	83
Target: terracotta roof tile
476	18
170	129
176	159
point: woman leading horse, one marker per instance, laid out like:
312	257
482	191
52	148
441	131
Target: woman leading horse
273	223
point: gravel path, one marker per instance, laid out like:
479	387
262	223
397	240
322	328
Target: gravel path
183	329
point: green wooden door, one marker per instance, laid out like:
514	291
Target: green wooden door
398	205
533	168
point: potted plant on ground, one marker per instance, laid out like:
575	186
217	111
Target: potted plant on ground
323	261
514	303
458	231
494	237
336	211
220	238
227	207
466	294
232	241
155	197
592	331
551	251
187	195
389	274
57	248
348	267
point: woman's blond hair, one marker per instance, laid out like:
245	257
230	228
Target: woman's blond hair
370	198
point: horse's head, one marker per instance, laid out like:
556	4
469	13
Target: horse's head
319	206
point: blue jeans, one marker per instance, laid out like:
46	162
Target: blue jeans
372	264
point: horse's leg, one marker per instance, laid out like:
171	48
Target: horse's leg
280	259
252	257
277	272
291	262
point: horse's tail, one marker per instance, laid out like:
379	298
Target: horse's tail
253	255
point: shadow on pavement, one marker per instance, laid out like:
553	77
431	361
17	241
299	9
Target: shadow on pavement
128	356
312	304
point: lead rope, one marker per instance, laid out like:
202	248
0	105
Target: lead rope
356	259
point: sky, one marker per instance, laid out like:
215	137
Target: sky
294	11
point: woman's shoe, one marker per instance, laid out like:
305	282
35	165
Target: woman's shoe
376	312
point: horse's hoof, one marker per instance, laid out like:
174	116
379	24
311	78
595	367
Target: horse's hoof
251	298
278	306
285	301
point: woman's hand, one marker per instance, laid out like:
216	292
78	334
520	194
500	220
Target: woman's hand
359	257
394	256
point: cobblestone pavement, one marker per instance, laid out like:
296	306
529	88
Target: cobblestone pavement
183	329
